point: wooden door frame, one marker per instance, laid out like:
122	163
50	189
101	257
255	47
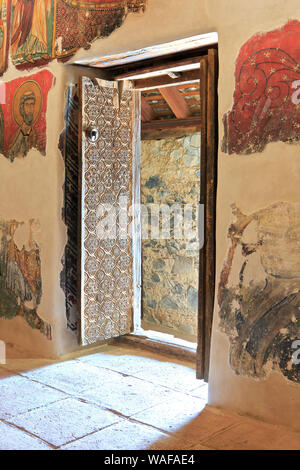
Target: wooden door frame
208	193
208	185
209	156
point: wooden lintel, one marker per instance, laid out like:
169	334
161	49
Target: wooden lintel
176	101
166	65
163	81
165	128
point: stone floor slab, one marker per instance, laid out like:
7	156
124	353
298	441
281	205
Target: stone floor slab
167	374
12	438
200	392
72	376
122	436
65	421
254	435
176	444
127	395
173	414
126	363
207	424
18	395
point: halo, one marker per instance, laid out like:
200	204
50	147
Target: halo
27	87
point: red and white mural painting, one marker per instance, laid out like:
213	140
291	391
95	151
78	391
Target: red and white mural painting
23	115
267	92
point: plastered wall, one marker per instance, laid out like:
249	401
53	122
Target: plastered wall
255	183
32	188
33	182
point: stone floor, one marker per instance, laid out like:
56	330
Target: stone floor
120	399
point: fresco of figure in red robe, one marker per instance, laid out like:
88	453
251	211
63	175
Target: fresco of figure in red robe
267	92
23	115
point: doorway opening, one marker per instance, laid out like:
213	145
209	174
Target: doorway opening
170	185
173	164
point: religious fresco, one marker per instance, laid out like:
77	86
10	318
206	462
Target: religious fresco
79	22
20	274
5	11
259	291
23	115
267	92
69	144
38	31
32	31
42	30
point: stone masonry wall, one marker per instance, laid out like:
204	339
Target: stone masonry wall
170	174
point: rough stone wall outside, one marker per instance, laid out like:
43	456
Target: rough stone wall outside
170	174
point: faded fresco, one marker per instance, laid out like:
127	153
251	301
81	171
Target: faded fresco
259	291
267	92
79	22
20	273
23	115
69	148
5	11
42	30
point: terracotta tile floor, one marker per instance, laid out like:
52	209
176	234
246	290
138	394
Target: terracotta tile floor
120	399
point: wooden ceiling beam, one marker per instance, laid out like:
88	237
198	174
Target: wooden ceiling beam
192	76
176	102
147	112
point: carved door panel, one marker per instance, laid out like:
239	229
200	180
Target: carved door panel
107	139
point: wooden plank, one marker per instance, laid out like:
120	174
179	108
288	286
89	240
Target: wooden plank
80	212
176	102
155	345
158	82
147	113
208	198
211	175
97	323
193	102
163	128
136	225
165	67
157	98
163	61
201	285
173	123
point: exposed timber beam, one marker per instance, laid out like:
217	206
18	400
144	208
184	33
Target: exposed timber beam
176	101
147	113
163	128
161	69
192	76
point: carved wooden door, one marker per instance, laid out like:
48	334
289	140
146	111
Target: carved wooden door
108	137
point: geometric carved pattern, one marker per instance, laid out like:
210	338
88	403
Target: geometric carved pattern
107	280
